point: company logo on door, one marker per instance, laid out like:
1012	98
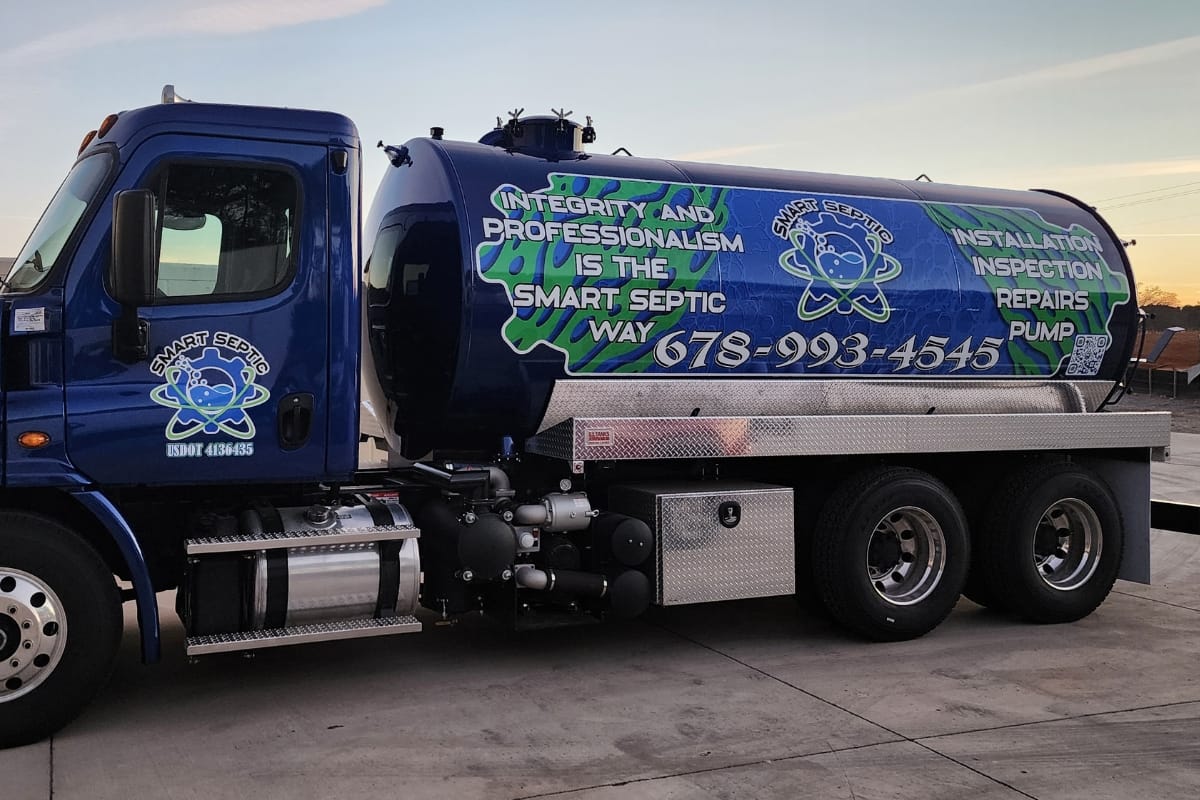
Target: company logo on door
210	380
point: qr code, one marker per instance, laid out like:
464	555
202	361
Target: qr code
1088	353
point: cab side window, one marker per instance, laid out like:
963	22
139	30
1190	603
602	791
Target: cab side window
225	232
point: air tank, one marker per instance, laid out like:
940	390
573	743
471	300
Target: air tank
499	267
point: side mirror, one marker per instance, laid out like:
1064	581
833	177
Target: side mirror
133	272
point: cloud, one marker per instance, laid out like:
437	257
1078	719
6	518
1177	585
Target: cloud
260	15
1090	173
1044	76
1083	68
1066	72
220	18
1144	169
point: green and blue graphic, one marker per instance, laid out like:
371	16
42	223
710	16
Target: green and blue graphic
1067	283
644	277
629	224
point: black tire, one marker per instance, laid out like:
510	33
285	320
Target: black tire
977	589
859	533
80	598
808	599
1021	544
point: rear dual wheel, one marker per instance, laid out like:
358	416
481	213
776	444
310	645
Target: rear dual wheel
890	553
1049	545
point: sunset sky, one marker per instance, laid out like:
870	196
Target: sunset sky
1100	99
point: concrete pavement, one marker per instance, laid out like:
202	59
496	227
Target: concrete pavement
1179	478
743	699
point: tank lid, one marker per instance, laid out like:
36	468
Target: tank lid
551	137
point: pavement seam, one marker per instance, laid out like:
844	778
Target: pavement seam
820	699
1089	715
969	768
1154	600
51	781
921	742
703	770
777	679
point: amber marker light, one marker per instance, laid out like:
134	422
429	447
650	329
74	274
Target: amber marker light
87	140
106	126
32	440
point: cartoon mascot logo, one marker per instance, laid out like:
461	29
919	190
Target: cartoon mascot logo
839	251
210	392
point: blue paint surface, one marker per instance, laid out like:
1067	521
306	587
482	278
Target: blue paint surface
207	413
862	277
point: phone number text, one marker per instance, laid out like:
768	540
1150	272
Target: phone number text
701	349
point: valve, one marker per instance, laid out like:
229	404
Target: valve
562	115
514	128
398	156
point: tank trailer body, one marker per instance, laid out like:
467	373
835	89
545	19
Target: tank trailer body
601	382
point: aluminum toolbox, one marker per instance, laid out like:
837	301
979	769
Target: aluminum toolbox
716	540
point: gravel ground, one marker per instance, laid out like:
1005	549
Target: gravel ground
1185	409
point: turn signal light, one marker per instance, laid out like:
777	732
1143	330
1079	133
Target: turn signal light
32	440
106	126
87	140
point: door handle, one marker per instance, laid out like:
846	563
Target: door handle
295	420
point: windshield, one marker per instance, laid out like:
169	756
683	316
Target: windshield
53	230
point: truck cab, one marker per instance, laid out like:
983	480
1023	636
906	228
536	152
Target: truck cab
184	314
239	283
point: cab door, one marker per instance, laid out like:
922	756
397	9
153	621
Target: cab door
233	386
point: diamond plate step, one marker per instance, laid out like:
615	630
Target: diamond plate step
301	634
304	538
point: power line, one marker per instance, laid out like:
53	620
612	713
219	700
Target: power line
1146	200
1149	191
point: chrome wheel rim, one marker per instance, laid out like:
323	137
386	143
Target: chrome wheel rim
906	556
33	632
1067	544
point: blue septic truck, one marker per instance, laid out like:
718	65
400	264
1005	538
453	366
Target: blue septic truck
601	383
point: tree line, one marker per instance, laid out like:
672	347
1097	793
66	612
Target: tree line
1166	310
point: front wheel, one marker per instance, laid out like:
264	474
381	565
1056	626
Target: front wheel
60	624
890	553
1052	543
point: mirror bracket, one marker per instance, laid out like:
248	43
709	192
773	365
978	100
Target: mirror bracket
131	337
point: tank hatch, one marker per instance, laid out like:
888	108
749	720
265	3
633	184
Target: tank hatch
552	137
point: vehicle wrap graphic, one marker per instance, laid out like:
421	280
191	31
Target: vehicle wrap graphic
210	381
1052	285
841	260
637	276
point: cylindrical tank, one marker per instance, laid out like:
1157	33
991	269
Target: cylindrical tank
496	268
